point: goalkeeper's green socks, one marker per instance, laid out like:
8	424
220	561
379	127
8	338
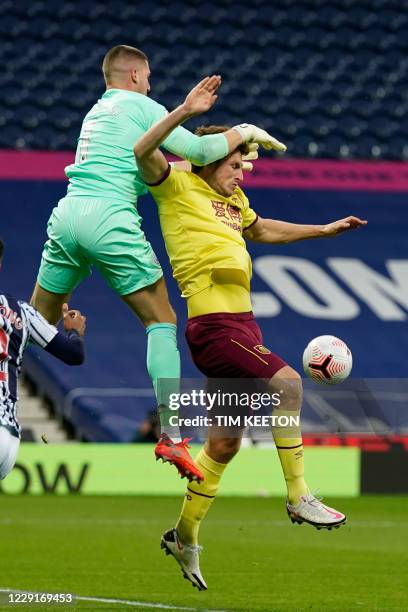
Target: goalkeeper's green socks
199	498
163	365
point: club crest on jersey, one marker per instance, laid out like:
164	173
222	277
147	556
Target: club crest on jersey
262	349
236	199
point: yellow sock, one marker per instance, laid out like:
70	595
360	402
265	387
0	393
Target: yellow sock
290	451
199	498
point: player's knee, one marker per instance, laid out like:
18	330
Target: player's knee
290	389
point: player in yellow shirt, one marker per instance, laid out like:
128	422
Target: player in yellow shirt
205	219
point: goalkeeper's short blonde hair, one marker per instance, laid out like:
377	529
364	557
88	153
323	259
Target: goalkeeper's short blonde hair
119	56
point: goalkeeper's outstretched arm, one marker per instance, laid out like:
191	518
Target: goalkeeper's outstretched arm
152	163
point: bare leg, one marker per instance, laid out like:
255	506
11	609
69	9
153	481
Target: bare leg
48	304
151	304
288	384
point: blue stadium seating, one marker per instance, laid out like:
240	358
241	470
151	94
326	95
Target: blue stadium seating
321	63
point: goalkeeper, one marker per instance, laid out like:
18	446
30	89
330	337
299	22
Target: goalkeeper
205	217
97	223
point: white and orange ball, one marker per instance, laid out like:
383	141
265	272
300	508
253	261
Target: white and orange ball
327	360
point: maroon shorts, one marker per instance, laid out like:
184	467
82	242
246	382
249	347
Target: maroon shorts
225	345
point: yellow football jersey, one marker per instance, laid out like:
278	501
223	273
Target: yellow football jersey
202	231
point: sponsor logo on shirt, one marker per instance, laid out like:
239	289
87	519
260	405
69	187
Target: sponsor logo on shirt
228	214
10	315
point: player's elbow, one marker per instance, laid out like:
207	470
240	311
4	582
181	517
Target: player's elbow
256	236
74	359
141	150
137	150
273	238
79	360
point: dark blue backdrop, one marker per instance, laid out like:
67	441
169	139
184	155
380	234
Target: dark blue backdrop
379	346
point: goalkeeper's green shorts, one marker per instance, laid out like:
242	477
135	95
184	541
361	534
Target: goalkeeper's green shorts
101	233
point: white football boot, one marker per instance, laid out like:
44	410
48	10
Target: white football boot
311	510
186	555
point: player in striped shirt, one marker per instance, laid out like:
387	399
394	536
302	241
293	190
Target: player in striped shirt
97	222
205	219
19	325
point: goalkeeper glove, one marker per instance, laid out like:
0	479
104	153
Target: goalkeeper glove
252	154
251	133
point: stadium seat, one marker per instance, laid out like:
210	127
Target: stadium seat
343	59
327	78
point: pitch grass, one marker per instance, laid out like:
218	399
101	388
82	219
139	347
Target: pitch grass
254	559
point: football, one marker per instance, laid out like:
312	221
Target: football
327	360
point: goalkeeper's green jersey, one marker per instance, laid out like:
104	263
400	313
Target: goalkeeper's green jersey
105	165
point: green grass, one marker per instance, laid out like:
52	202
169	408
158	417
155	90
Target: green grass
254	559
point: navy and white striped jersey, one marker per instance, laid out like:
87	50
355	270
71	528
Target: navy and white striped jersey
19	324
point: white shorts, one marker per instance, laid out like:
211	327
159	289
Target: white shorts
9	446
